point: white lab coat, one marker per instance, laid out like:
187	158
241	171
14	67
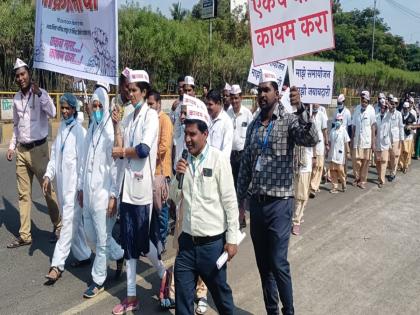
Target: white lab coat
64	165
138	174
338	139
221	133
363	127
397	126
321	123
383	132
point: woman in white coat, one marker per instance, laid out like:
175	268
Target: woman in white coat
64	165
95	180
136	163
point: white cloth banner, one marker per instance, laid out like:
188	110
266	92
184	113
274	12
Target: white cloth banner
278	67
282	29
78	38
314	80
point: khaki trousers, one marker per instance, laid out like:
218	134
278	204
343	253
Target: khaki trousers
381	159
30	162
338	176
317	173
361	159
302	182
406	152
394	156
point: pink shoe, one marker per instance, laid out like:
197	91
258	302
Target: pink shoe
125	307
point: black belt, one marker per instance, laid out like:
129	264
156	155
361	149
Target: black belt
202	240
33	144
267	199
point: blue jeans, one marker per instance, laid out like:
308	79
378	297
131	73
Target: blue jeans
200	260
270	232
164	223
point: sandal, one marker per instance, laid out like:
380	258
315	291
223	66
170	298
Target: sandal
53	279
201	306
18	242
165	286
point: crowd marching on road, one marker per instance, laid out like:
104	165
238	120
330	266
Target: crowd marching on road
204	164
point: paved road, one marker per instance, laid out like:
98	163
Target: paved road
359	253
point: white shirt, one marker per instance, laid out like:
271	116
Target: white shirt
383	132
240	123
209	197
363	123
221	133
338	139
321	123
346	116
397	127
135	176
323	110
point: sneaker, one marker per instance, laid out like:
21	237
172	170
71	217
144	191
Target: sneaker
296	230
93	290
201	306
125	307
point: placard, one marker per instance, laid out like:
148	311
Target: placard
282	29
78	38
278	67
314	79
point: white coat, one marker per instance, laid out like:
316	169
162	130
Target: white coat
138	174
363	122
397	126
96	172
338	139
383	132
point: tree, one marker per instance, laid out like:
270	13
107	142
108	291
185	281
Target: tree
177	12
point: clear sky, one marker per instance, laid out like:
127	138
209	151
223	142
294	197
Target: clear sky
401	23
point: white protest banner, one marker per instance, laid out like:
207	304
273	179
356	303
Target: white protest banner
78	38
282	29
278	67
314	80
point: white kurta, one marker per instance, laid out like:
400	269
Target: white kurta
221	133
363	122
64	165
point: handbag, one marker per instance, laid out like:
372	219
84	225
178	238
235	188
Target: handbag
160	187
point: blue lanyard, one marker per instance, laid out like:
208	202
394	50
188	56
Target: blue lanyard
264	143
201	160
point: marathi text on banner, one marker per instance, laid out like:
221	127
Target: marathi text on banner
314	80
282	29
78	38
278	67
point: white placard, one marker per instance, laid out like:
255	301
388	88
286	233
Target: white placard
6	108
314	79
278	67
78	38
282	29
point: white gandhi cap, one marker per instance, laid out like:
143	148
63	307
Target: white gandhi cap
19	64
196	109
189	80
236	89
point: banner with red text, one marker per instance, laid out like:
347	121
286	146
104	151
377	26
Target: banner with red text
283	29
78	38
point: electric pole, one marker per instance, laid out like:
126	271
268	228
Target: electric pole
374	26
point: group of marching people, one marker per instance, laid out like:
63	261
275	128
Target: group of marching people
381	135
132	159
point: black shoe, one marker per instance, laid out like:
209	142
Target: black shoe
312	194
119	270
391	178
